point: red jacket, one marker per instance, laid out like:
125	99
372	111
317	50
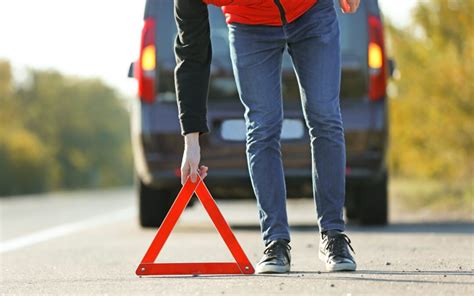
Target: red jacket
262	12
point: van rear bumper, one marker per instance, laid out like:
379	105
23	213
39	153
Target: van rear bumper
235	183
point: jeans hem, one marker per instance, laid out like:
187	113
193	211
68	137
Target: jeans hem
338	227
273	237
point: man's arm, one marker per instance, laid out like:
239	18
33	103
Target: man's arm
193	59
193	63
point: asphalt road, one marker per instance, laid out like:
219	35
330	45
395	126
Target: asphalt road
90	243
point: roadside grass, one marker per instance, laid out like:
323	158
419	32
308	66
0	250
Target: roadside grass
434	195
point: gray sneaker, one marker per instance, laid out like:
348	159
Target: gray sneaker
276	258
334	251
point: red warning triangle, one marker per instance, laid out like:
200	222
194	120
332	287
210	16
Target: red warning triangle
241	265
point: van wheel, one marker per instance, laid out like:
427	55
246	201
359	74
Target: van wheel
372	202
153	204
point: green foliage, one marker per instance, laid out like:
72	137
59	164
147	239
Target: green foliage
432	115
435	196
24	162
61	132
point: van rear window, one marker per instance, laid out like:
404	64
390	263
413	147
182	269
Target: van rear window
353	32
353	42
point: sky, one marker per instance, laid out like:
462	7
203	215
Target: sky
92	38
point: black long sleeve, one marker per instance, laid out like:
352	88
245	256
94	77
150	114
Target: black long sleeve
193	62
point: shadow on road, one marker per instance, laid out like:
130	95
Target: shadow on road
359	276
417	272
438	227
372	275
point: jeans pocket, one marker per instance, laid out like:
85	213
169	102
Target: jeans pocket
323	22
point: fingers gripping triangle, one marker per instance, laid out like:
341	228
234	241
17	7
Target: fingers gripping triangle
241	265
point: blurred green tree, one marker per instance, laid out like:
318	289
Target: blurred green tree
432	121
84	123
23	158
74	132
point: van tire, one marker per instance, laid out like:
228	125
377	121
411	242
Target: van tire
372	202
153	204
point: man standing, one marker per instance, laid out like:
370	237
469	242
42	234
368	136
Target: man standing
259	32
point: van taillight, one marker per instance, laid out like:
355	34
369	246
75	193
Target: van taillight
377	61
145	69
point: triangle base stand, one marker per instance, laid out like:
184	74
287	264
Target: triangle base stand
148	266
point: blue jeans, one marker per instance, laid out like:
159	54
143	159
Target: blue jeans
314	46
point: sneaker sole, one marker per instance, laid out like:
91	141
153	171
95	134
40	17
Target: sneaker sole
338	266
262	269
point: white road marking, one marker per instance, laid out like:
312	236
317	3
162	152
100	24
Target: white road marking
61	230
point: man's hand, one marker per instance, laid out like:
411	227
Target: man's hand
191	157
349	6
